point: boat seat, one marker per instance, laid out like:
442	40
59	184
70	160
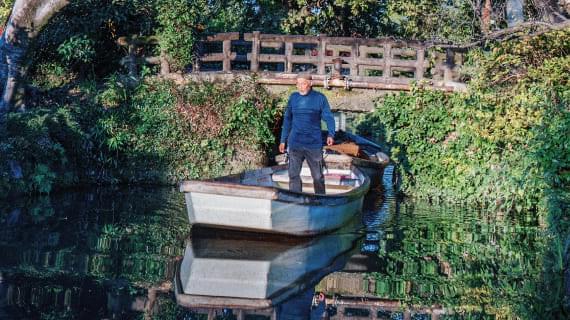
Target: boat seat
308	187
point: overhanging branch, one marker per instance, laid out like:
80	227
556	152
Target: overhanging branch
536	28
46	10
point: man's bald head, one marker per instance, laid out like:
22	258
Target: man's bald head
304	83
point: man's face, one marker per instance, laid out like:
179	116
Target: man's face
304	86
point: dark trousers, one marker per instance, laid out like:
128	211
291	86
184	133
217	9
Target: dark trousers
314	159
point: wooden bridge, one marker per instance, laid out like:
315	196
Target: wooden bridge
380	64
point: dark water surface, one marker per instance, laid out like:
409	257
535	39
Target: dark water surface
113	254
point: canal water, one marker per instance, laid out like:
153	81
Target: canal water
114	253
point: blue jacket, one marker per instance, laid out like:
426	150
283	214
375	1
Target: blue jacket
302	120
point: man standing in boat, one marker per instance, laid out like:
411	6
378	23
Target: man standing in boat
301	133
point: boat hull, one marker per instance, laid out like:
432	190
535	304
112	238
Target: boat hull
259	200
268	215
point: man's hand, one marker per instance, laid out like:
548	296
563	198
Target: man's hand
282	147
330	141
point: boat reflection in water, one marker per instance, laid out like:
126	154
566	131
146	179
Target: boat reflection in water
261	275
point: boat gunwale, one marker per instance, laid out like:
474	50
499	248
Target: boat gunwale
217	187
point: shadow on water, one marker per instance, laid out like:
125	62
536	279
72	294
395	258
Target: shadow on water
113	254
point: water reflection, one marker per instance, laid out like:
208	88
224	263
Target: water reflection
247	272
88	254
113	253
446	261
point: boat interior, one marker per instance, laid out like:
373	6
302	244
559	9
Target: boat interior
339	178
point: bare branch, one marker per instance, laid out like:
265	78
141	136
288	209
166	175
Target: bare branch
513	32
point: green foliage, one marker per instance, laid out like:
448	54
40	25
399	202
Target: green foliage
178	20
486	146
425	19
503	145
431	19
106	136
5	10
190	132
85	33
115	93
52	75
202	129
41	141
338	18
169	309
231	15
77	49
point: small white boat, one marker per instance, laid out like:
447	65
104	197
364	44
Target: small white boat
259	200
222	270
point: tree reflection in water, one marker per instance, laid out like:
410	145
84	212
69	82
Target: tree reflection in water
111	253
432	257
89	254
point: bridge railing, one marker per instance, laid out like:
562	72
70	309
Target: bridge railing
382	63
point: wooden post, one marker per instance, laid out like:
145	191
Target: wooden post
227	47
420	61
288	54
322	55
447	66
354	55
255	49
387	73
200	49
132	64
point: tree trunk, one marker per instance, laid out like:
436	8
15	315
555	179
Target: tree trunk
27	19
486	16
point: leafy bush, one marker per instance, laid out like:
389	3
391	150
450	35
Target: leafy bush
77	49
486	146
178	20
200	130
45	143
52	75
115	93
503	145
109	135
